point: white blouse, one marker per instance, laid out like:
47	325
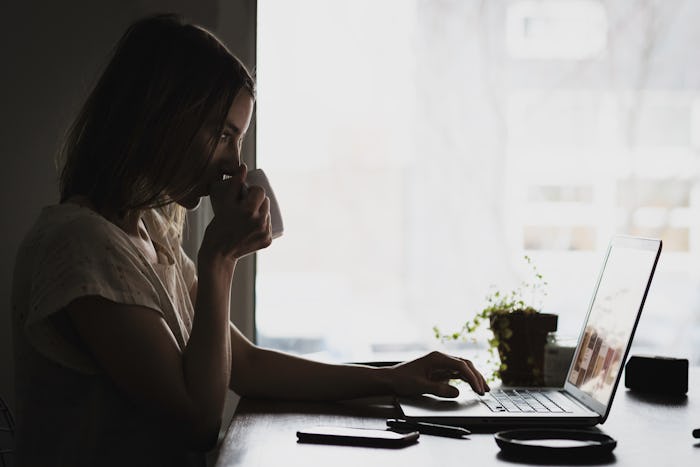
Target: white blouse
68	411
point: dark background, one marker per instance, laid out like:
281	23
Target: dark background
52	55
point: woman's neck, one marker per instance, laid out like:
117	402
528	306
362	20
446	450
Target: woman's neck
128	222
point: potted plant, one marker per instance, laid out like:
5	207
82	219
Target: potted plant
519	331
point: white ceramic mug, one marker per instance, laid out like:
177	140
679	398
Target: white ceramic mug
258	177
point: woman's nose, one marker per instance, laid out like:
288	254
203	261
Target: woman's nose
236	159
230	161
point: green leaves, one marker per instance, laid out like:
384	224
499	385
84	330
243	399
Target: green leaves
501	303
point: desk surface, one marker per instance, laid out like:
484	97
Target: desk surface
649	431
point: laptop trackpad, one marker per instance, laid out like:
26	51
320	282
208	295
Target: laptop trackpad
428	405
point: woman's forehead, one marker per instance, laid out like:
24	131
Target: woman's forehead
241	111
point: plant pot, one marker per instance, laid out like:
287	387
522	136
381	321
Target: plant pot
521	340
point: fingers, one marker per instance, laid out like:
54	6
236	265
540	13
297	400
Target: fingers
443	390
243	217
444	375
477	373
462	370
229	193
253	199
262	223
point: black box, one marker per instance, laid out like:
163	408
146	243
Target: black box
659	375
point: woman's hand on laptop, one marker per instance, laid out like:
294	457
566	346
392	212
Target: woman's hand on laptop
431	374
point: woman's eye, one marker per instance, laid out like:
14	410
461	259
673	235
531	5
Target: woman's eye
225	137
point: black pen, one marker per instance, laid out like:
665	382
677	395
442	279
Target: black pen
696	433
428	428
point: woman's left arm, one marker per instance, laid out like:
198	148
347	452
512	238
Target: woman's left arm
269	374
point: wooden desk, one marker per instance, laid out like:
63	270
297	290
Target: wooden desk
649	432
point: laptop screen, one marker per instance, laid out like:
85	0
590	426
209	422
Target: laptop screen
612	317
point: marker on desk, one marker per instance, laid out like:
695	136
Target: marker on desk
428	428
696	433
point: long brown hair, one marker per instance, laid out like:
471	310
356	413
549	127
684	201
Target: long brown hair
134	144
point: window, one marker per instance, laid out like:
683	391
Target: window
556	29
420	149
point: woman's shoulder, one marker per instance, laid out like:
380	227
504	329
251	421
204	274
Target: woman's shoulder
74	219
69	226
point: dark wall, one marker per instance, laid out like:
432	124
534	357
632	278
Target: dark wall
52	53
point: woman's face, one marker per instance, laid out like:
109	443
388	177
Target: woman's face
227	154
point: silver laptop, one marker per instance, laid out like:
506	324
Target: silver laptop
595	370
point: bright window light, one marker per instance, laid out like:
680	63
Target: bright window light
556	29
419	149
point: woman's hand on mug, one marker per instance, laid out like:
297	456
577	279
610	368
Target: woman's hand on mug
241	223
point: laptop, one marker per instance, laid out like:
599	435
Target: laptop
595	370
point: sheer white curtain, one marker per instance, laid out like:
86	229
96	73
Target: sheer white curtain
419	149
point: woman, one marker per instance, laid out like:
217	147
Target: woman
124	352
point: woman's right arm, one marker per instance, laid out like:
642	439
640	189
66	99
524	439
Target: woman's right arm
137	350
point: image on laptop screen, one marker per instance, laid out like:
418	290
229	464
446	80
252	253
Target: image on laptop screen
598	359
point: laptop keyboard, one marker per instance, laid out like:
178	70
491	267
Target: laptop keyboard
521	400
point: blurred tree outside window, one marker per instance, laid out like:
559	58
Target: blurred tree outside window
419	149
